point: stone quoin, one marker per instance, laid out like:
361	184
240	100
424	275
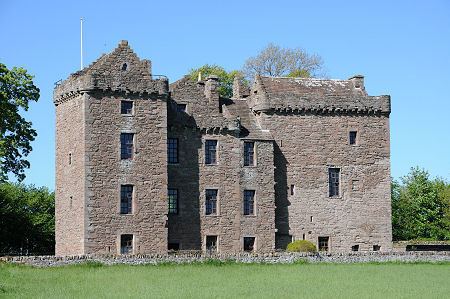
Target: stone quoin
144	167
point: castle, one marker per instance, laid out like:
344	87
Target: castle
145	167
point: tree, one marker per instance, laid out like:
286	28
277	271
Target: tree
16	91
27	220
225	78
276	61
420	207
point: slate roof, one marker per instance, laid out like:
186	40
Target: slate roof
311	93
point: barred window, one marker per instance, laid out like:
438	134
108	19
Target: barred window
333	181
211	201
352	137
173	201
211	243
211	152
249	202
126	145
126	199
172	150
249	153
126	244
126	107
323	243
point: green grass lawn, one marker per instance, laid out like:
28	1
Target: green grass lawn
228	281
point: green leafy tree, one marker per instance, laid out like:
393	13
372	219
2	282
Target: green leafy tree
420	207
16	91
225	78
27	220
276	61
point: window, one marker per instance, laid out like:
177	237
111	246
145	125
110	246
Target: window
249	244
323	243
355	248
249	202
173	201
211	243
172	150
249	153
211	201
126	244
292	189
173	246
352	137
124	67
376	247
181	107
126	199
126	145
70	158
333	182
126	107
211	152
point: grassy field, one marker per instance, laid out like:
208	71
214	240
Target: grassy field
228	281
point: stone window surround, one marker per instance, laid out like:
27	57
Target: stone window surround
255	243
329	242
134	145
119	242
328	182
217	214
255	210
358	134
132	108
133	201
204	139
255	155
211	235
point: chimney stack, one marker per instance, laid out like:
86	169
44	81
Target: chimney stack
358	81
239	89
212	89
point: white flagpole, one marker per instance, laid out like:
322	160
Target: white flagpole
81	43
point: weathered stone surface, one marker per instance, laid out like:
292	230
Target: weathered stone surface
300	128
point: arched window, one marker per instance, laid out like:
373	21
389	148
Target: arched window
124	67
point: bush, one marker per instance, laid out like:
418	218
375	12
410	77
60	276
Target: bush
301	246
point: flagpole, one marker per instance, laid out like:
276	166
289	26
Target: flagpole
81	43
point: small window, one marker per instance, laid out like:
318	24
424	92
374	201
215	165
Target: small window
124	67
323	243
211	202
303	236
126	145
70	158
172	150
126	107
249	244
211	152
355	185
249	153
126	244
249	202
311	219
126	199
173	201
181	107
376	247
211	243
333	182
352	137
173	246
355	248
292	189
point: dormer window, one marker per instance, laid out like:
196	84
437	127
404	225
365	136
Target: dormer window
124	67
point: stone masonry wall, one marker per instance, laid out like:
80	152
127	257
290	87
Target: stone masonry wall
70	176
146	172
306	145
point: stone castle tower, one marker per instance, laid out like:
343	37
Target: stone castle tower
143	167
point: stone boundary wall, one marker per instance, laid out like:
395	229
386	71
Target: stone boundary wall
270	258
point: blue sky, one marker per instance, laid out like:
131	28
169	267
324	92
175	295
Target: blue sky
401	47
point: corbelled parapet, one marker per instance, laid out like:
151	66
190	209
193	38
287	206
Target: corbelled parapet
300	95
120	71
